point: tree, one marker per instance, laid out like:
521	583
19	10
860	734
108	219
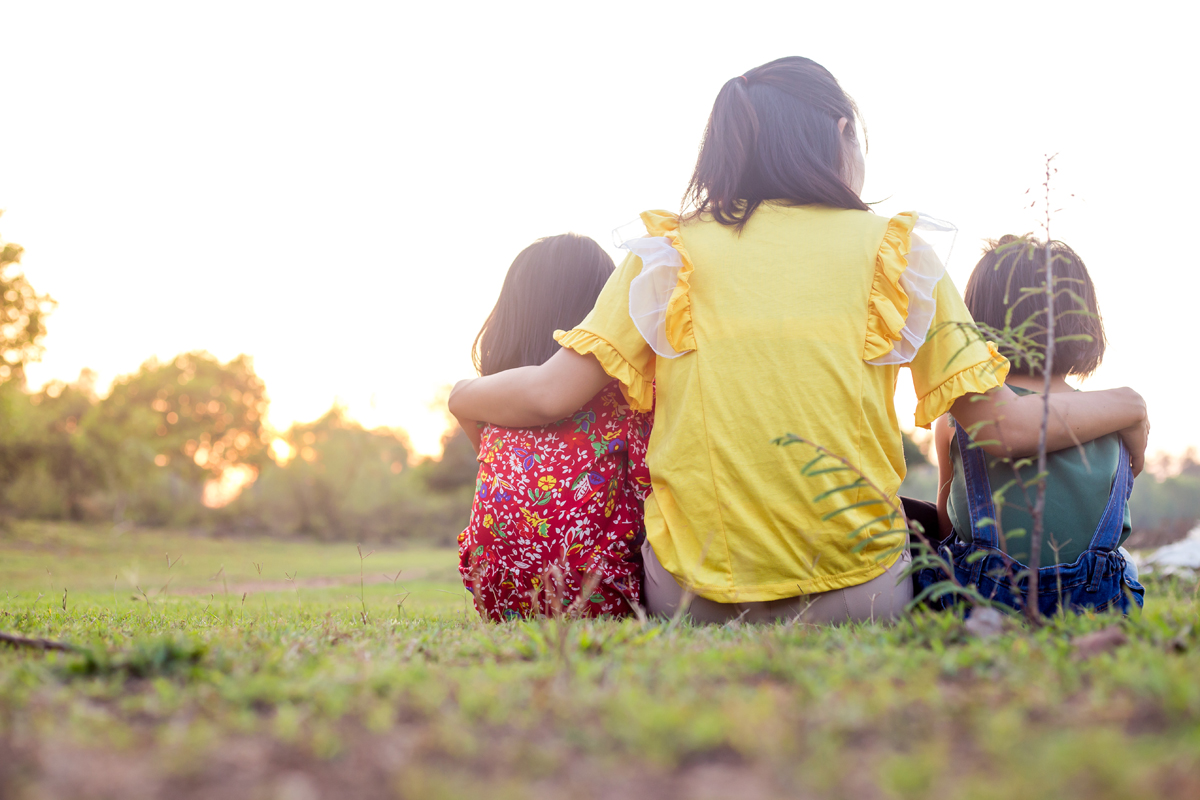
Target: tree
913	455
457	467
143	452
48	468
1190	463
185	421
342	481
22	315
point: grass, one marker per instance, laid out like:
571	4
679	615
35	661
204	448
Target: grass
192	692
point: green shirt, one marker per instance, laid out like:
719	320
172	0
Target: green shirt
1078	482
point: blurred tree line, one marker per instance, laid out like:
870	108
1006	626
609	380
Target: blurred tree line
146	451
346	482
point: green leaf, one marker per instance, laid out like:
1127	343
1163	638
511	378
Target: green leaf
813	463
881	518
858	484
827	470
851	507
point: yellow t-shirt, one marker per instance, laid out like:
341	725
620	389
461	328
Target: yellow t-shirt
778	324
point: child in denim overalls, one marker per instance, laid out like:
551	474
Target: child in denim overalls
1086	511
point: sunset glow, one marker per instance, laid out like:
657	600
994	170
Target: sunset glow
322	200
281	452
224	490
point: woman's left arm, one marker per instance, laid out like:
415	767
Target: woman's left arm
530	396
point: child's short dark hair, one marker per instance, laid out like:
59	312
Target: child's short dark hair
1008	287
551	285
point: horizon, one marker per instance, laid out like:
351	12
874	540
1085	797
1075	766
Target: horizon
333	195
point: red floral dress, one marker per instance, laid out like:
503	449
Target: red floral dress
558	510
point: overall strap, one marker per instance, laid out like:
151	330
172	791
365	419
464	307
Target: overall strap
1108	532
979	490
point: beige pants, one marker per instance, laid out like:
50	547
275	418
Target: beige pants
881	598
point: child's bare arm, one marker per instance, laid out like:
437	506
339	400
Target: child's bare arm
942	434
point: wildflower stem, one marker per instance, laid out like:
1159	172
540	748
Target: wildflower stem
1039	506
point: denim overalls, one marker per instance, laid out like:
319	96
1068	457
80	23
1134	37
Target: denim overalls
1098	579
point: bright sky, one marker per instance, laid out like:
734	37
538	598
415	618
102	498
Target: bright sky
337	189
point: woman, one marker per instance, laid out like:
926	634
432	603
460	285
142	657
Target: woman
782	304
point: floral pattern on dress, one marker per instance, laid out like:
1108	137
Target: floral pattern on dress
557	511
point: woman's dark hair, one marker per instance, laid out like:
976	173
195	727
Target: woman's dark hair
773	135
551	285
1008	287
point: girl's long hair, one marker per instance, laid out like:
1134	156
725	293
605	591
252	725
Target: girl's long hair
773	135
552	285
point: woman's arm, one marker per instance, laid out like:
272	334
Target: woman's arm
529	396
941	444
1009	425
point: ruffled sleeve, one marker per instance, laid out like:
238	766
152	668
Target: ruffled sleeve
916	316
956	359
608	333
636	386
908	268
977	379
676	319
887	306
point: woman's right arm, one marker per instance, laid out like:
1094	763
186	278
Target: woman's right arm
1005	424
957	369
530	396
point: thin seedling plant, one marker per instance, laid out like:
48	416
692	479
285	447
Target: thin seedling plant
362	583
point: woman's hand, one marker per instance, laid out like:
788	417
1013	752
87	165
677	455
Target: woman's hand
529	396
1136	437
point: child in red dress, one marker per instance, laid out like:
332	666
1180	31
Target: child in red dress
557	514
